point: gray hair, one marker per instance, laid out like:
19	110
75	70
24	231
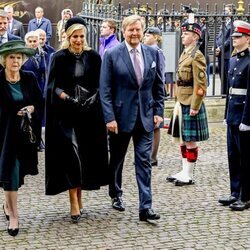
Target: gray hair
31	34
3	58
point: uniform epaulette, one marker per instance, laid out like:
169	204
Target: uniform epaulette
195	50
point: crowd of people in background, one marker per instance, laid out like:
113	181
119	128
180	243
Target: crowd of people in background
93	103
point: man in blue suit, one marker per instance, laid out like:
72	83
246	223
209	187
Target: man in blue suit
132	97
14	27
4	35
224	47
41	22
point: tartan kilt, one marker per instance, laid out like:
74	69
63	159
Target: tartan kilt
195	128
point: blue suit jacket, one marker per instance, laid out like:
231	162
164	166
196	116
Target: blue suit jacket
45	24
227	40
17	29
121	97
13	37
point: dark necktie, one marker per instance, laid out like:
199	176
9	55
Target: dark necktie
137	66
1	39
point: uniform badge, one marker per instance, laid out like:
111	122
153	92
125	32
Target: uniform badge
200	92
201	75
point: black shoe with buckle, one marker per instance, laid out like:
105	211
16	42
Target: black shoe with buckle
117	204
240	205
148	214
227	200
183	183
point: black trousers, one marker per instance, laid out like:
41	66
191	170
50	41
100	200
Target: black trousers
239	162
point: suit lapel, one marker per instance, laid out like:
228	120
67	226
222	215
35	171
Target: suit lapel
127	60
146	54
13	26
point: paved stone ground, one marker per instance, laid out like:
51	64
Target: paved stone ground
191	216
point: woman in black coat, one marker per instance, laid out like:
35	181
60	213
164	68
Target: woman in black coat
76	155
19	93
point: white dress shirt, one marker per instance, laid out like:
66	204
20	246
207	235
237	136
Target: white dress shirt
139	55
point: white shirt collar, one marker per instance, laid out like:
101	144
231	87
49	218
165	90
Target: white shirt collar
130	48
5	35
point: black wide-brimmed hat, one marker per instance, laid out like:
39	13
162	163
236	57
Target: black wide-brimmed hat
16	46
193	27
74	20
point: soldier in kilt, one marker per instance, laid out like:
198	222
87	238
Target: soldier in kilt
189	121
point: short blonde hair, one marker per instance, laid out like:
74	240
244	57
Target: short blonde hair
131	20
70	31
158	38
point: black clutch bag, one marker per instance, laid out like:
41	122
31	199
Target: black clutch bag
81	94
26	130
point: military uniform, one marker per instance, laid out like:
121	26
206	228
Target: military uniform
237	112
237	116
190	92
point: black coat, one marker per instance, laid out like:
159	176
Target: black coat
11	145
76	142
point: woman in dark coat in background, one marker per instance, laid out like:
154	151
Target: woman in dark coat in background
76	155
19	91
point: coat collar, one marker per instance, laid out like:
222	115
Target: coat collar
186	53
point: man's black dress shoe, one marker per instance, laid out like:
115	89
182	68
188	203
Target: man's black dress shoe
227	200
240	205
148	214
154	162
117	204
6	215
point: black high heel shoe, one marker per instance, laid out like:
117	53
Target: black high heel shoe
81	211
75	218
6	215
13	231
